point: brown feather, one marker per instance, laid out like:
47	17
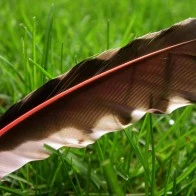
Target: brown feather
102	95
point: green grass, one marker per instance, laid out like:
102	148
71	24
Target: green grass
38	41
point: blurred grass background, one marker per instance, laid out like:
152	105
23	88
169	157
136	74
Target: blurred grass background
55	35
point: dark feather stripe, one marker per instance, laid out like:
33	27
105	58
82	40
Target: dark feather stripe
92	67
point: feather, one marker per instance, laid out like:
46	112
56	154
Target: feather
155	73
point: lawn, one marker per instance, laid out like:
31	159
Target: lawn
155	156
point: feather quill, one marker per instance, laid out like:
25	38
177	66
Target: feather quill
154	73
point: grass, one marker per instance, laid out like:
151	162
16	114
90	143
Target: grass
155	156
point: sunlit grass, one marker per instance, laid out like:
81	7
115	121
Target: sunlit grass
155	156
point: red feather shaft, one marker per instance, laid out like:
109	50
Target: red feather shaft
55	98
